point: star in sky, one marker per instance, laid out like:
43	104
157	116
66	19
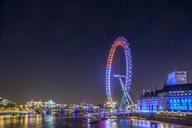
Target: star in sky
189	2
104	37
172	21
172	41
91	50
4	37
74	19
73	61
43	45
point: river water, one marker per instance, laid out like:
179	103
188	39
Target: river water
37	121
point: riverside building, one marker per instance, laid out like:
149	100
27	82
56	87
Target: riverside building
175	96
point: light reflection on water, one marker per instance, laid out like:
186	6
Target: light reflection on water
37	121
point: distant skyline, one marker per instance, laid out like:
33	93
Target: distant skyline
58	50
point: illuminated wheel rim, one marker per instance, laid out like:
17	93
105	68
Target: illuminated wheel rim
119	42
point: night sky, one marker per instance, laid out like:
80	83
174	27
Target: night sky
57	49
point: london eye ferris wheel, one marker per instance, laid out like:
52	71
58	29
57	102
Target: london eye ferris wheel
124	79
